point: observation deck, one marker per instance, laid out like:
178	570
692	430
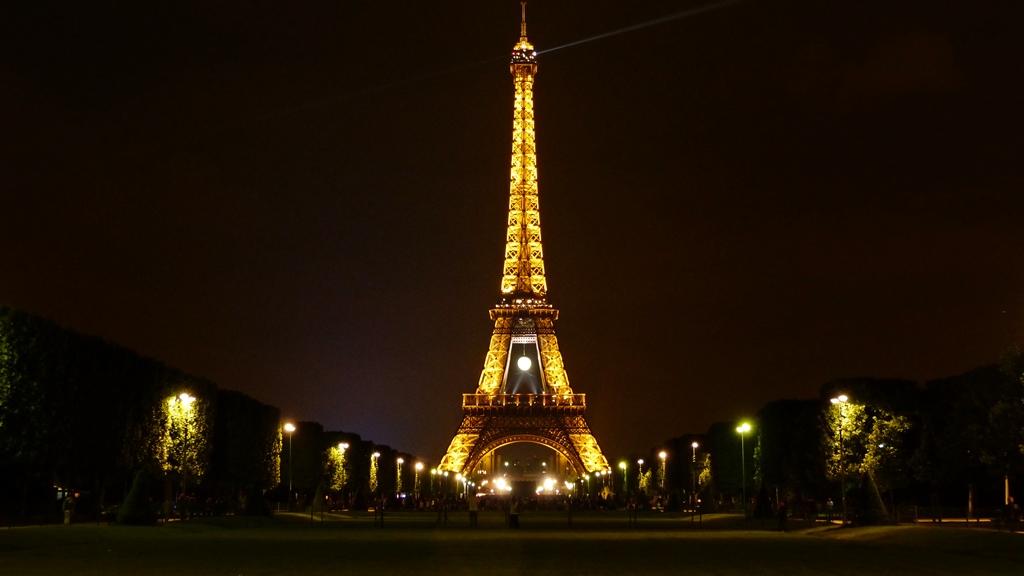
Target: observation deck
520	403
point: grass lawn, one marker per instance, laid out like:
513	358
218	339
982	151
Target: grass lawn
596	544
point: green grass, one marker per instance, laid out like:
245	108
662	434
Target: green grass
596	544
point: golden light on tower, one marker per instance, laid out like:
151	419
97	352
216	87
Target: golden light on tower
524	257
494	415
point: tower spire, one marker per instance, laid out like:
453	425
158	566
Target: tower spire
524	256
522	27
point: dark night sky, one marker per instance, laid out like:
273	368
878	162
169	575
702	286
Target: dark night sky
305	201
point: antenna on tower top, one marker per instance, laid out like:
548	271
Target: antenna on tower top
522	27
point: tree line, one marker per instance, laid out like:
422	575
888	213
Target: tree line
954	444
83	417
80	415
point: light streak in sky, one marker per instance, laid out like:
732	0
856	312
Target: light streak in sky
649	23
371	90
655	22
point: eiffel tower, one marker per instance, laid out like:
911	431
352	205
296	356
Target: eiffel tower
529	400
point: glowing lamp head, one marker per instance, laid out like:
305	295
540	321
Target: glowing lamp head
524	363
745	427
694	445
662	455
289	427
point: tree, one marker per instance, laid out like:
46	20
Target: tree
971	432
336	467
138	508
868	436
789	457
847	428
887	452
246	457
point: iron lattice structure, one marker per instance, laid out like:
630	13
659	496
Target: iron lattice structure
550	414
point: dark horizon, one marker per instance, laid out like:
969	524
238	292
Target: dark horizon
307	203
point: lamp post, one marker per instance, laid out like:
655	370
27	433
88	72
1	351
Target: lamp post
186	401
664	469
433	473
840	401
625	478
289	428
341	448
743	429
640	477
693	476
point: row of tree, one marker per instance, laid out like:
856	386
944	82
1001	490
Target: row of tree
874	443
80	415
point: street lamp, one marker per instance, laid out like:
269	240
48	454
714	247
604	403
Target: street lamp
840	401
186	402
341	448
693	475
625	478
433	473
289	428
664	469
640	477
743	429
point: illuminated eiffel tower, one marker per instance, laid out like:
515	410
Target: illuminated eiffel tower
528	400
